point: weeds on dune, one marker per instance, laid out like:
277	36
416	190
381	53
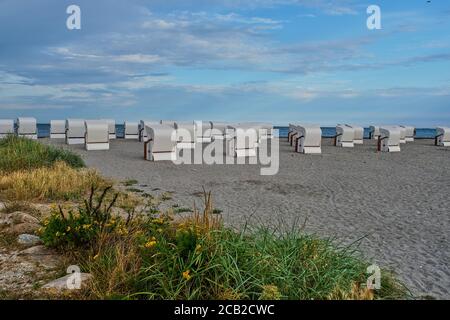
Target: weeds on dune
69	228
162	256
18	153
58	182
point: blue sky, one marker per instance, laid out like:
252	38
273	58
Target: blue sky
234	60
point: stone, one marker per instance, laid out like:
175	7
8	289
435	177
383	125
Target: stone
18	223
28	240
44	256
60	284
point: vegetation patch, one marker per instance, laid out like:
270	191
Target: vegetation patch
18	153
57	182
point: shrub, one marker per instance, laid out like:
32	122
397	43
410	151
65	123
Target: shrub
58	182
18	153
69	229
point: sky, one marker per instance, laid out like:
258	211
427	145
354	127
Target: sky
280	61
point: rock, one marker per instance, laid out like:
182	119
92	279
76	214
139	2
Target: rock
2	206
18	223
61	283
28	240
42	255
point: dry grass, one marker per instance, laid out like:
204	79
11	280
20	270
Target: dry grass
58	182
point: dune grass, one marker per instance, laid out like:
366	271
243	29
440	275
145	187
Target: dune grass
56	182
18	153
198	258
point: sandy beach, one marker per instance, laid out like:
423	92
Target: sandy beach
397	203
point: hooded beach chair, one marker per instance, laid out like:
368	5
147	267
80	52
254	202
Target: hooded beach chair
111	128
220	131
142	132
359	133
27	127
131	130
161	144
185	133
203	131
442	136
374	132
345	136
291	131
57	129
402	134
389	140
97	135
75	131
264	130
309	139
243	140
6	127
410	132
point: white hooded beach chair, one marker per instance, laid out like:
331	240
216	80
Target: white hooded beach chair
161	144
75	131
402	134
142	132
359	133
345	136
185	133
203	131
389	140
263	129
97	135
409	133
374	132
243	141
292	131
131	130
442	137
111	128
6	127
220	131
57	129
27	127
309	139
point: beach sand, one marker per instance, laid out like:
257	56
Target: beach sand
398	204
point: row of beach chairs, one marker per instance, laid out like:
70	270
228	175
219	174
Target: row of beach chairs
160	143
307	138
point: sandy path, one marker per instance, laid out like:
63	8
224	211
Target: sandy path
399	202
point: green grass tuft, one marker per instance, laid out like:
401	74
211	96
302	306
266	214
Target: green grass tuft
17	153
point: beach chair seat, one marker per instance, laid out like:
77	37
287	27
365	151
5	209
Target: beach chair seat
345	136
409	133
442	137
97	135
309	139
75	131
243	141
161	144
374	132
131	130
359	133
27	127
57	129
389	140
6	127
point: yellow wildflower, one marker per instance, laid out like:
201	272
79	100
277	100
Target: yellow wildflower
187	275
68	229
150	244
